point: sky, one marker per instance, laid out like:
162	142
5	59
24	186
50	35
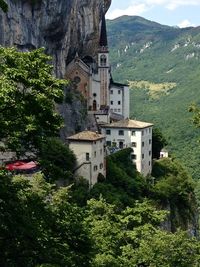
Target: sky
182	13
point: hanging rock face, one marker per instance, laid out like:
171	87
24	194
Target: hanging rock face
63	27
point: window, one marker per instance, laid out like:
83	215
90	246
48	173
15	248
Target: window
133	156
119	110
121	132
134	144
95	168
142	132
87	156
108	131
149	163
94	94
133	133
142	143
121	144
150	141
111	102
143	156
111	92
119	102
101	151
95	154
101	166
108	143
149	130
77	79
150	153
103	60
119	92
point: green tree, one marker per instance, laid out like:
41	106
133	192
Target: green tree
158	142
174	189
194	108
39	226
57	160
28	93
133	237
3	5
123	184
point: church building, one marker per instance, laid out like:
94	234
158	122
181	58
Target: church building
106	99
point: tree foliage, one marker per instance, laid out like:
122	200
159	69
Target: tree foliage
56	160
132	238
123	184
39	226
158	142
28	92
173	187
3	5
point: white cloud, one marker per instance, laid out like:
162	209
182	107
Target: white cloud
185	23
138	7
132	10
172	4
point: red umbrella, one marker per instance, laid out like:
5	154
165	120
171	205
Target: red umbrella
21	165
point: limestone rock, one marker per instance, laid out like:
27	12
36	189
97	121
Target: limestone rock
63	27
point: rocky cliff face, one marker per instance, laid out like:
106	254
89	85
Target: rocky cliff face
63	27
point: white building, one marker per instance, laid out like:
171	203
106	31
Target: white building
119	99
164	153
89	148
135	134
92	78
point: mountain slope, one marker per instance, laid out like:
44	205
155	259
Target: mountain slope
166	62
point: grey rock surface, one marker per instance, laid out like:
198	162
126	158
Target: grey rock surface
63	27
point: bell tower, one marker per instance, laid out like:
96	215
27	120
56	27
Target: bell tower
103	64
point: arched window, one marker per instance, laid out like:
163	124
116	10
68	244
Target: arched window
94	105
103	60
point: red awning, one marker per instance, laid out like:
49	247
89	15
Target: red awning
21	165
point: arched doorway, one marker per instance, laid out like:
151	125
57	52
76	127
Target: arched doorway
94	106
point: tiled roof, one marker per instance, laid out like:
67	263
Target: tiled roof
128	124
86	136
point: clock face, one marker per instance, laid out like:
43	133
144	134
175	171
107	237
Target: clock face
77	79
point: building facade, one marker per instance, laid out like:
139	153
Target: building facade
89	149
135	134
92	78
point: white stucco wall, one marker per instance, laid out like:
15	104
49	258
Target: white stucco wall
95	165
102	118
116	96
95	91
126	102
143	149
119	100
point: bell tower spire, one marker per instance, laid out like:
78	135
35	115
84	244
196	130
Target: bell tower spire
103	63
103	42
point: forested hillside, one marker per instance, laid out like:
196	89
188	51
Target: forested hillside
162	65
